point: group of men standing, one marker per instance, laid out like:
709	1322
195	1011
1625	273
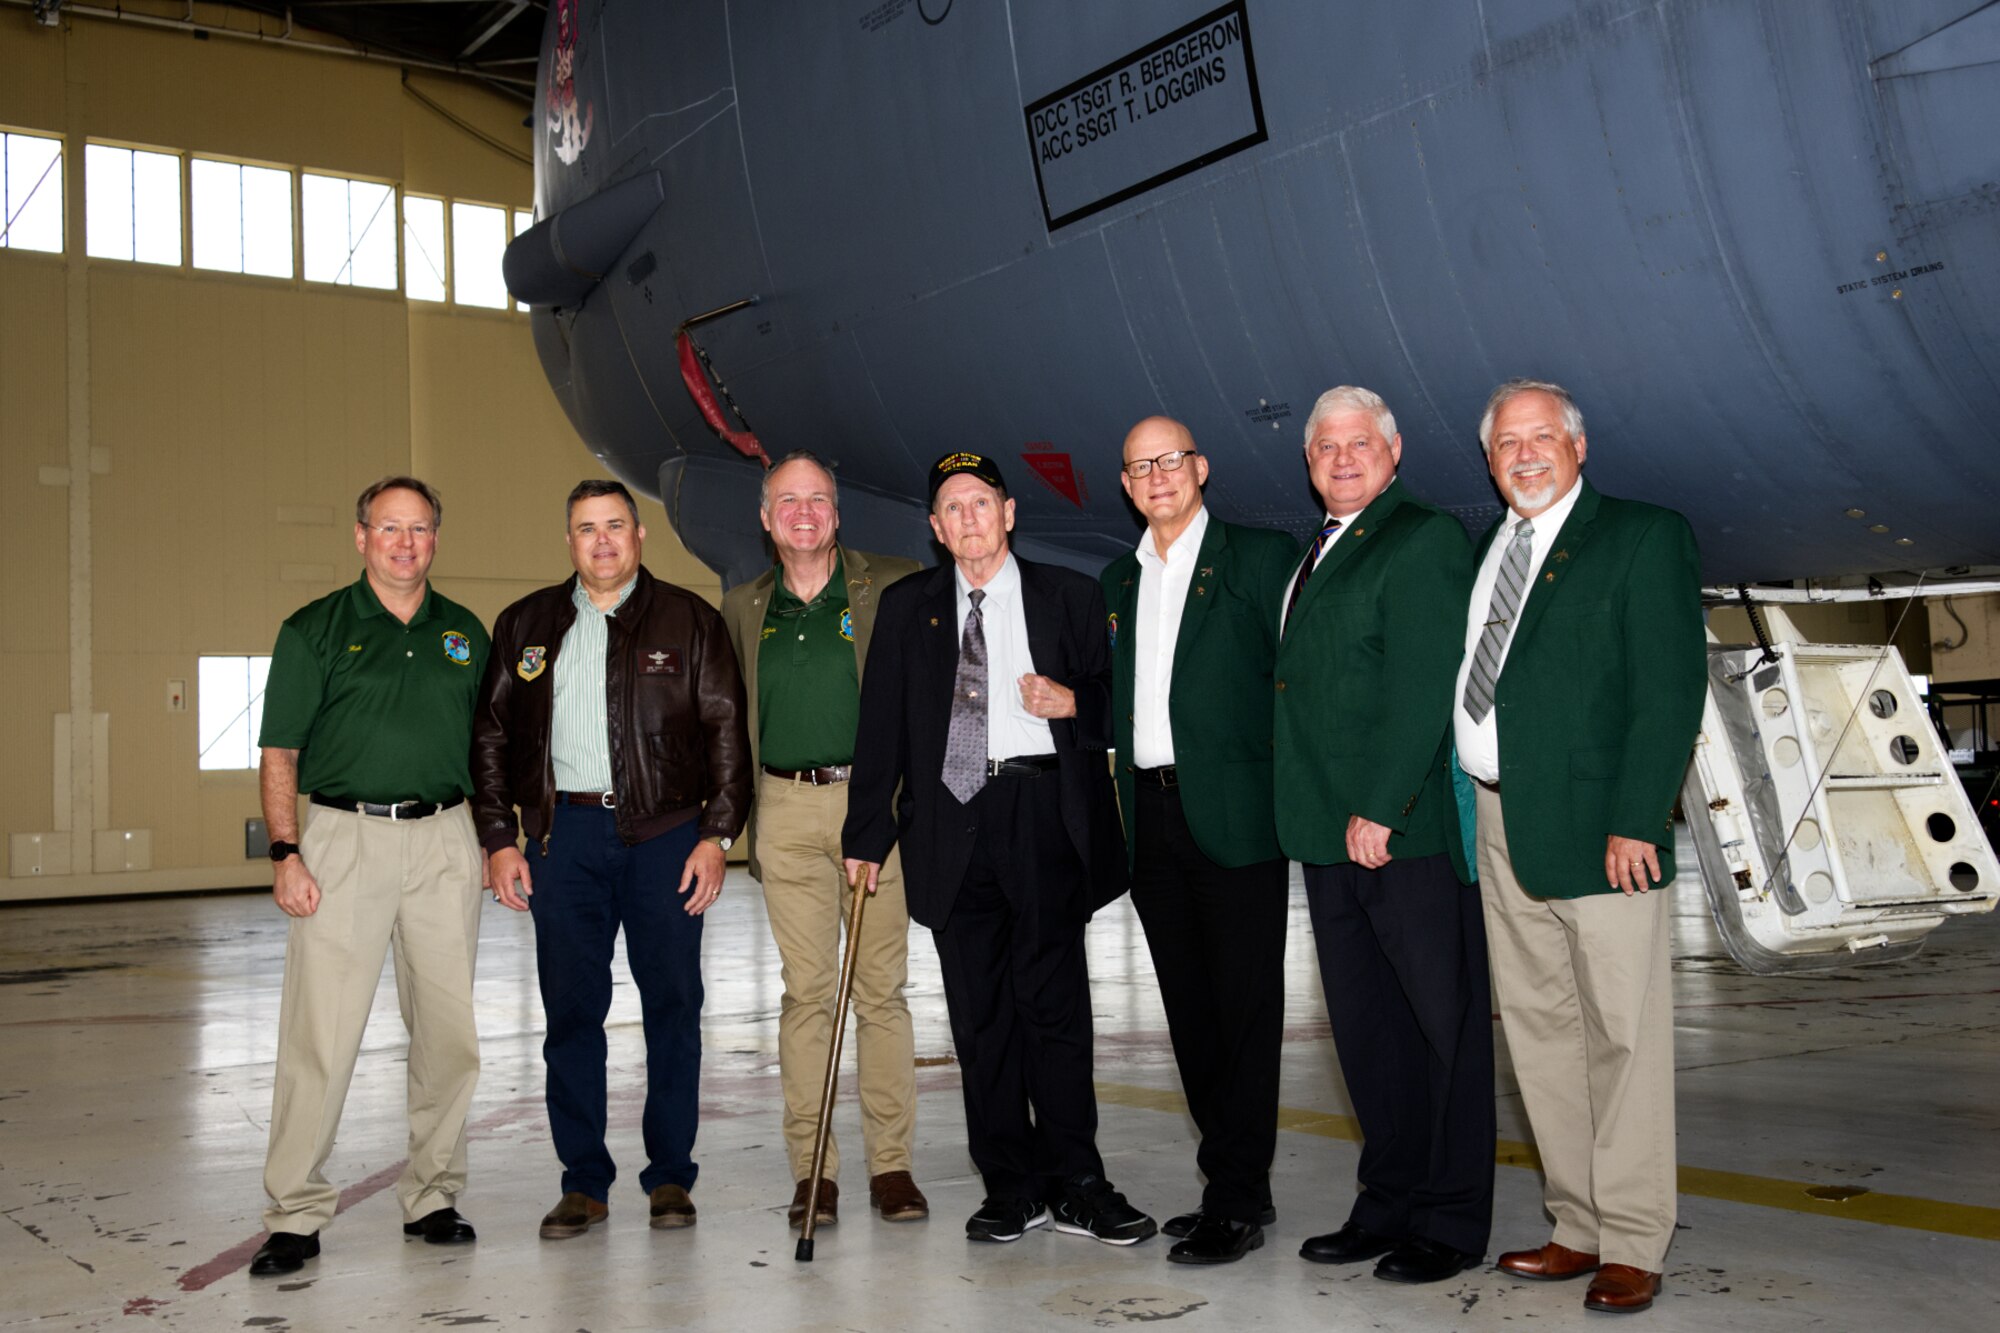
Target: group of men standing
1404	715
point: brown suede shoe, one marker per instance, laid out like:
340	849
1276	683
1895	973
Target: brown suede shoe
573	1215
1622	1289
1551	1263
671	1208
897	1197
829	1203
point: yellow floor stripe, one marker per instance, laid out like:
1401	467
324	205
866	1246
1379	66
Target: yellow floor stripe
1889	1210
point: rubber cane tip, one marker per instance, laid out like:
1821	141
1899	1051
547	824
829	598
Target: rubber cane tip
804	1254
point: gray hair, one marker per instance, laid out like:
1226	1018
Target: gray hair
797	456
1572	416
1352	398
399	483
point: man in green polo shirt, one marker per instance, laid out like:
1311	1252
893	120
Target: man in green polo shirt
801	633
369	710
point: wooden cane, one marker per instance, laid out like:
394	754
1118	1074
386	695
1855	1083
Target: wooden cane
841	994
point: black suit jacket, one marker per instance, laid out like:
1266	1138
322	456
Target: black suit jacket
906	716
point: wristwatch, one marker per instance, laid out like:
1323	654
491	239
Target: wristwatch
281	850
724	843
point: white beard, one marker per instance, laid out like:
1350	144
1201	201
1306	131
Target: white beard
1539	498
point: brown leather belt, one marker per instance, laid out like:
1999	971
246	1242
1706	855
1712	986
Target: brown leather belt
1166	775
813	777
608	800
388	809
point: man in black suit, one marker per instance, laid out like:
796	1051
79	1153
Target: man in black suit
1010	838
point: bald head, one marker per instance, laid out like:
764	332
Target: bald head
1168	496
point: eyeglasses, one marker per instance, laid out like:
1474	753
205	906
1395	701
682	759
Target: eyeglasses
391	531
1172	462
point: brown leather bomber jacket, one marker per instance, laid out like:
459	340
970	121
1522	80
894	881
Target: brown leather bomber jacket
680	744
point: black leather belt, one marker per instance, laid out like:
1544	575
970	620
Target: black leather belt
1166	775
397	810
813	777
608	800
1021	766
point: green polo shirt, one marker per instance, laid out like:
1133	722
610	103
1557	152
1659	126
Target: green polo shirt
808	685
378	710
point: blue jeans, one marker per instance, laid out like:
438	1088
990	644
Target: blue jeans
586	886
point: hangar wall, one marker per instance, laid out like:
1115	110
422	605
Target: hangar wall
181	449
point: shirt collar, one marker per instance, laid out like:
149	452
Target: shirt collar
1550	520
580	595
1184	548
837	578
1003	586
367	604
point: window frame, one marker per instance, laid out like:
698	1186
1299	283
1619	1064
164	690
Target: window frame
291	170
61	252
180	156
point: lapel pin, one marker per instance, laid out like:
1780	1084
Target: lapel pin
1549	577
1208	571
1562	555
1200	591
933	622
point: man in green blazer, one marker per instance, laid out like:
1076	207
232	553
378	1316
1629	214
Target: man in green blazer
1364	798
801	634
1194	629
1577	704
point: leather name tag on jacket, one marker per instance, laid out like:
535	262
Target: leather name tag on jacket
660	662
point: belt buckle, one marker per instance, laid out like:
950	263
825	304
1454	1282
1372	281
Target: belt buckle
608	800
394	810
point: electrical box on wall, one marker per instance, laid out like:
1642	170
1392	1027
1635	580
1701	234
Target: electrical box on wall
30	854
118	849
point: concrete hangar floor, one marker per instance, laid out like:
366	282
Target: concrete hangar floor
136	1044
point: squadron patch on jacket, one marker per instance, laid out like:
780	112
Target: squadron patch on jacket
1112	620
660	662
533	662
847	625
457	647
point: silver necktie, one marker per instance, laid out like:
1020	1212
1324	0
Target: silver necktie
965	743
1500	616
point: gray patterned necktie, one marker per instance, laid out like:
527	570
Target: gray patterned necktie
965	743
1500	616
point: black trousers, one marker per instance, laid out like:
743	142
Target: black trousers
1217	936
1402	957
1016	985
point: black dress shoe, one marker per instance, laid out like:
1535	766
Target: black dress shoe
1420	1260
1351	1244
1217	1240
442	1227
284	1252
1181	1223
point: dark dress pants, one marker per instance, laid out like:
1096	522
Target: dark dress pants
1402	958
1015	982
587	886
1217	936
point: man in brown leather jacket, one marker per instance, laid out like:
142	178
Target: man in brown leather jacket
612	716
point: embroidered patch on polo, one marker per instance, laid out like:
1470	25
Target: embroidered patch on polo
457	647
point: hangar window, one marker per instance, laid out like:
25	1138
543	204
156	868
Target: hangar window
423	247
31	192
478	240
131	204
350	231
229	709
524	218
242	218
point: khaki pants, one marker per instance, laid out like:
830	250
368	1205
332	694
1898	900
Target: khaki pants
1586	999
413	885
805	895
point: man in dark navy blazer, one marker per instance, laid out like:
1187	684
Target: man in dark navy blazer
1010	839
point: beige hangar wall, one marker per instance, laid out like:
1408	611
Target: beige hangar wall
180	450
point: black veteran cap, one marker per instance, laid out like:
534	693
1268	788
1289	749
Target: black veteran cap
979	465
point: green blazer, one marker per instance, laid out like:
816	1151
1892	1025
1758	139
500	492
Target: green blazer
743	608
1364	682
1220	705
1600	698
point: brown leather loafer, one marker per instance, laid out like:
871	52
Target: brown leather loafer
1551	1263
829	1203
1622	1289
671	1208
574	1214
897	1197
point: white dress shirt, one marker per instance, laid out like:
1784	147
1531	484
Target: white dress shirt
1011	730
1479	742
1156	633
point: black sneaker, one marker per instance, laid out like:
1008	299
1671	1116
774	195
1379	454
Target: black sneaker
1005	1219
1090	1207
